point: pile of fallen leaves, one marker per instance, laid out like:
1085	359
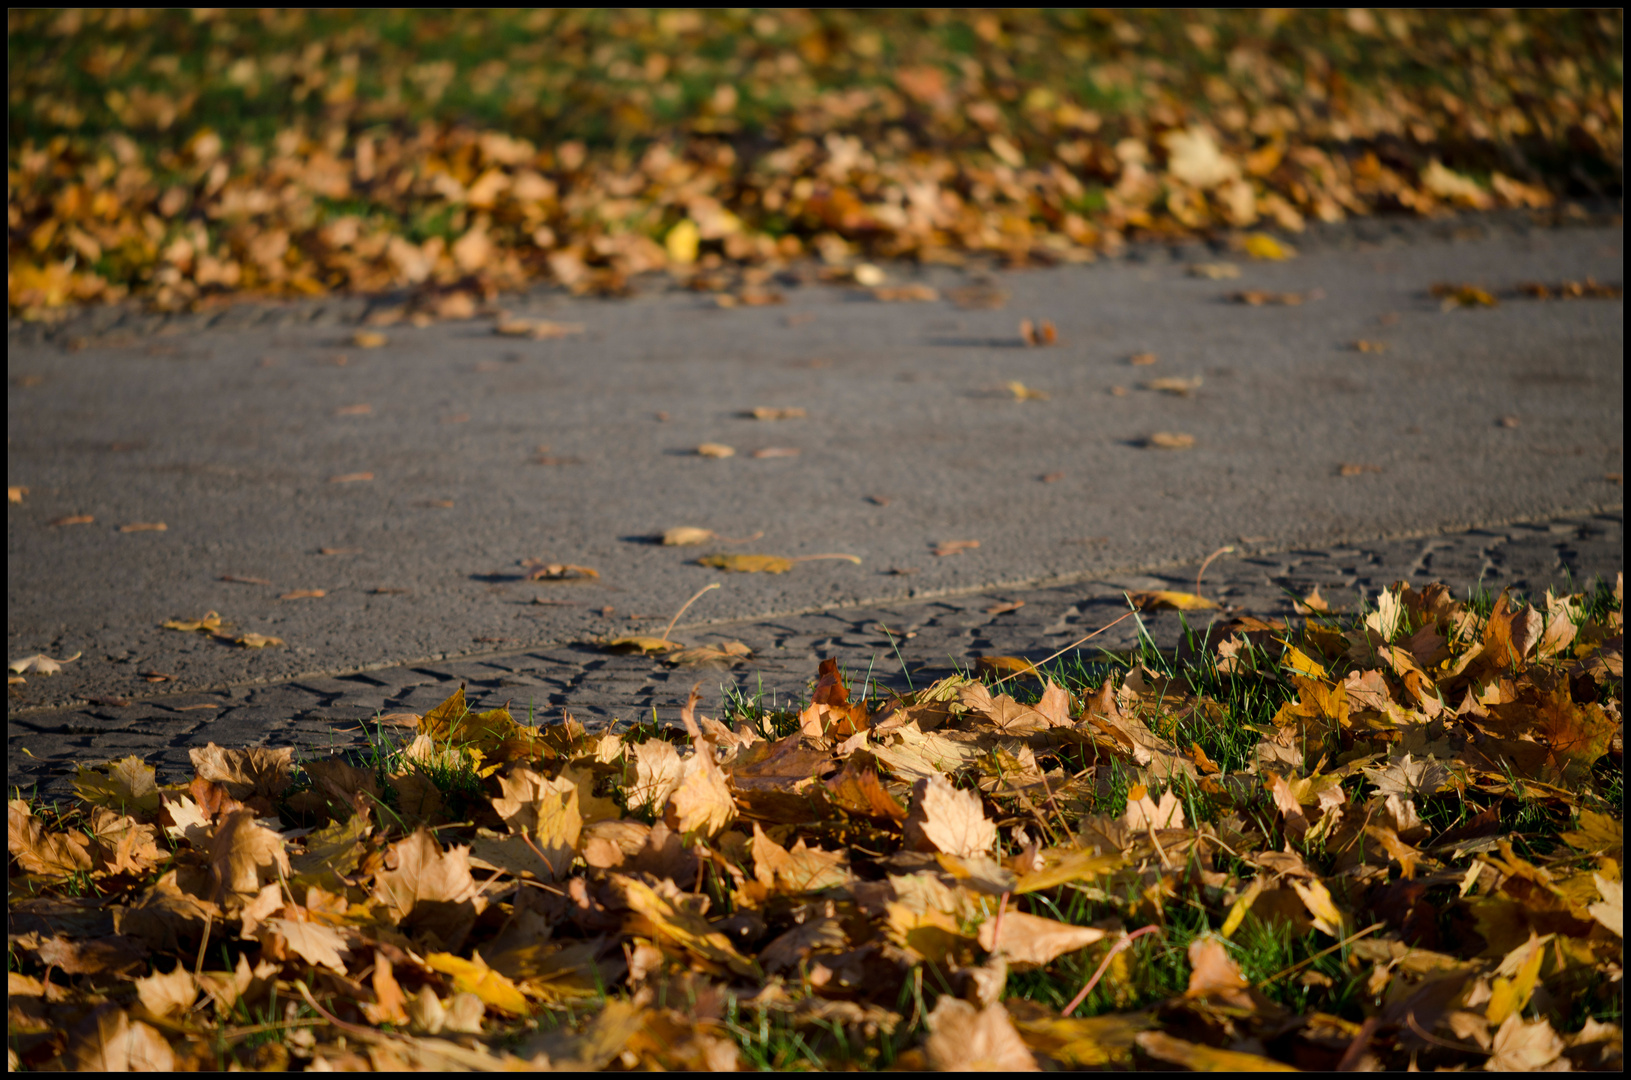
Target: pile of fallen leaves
920	881
179	155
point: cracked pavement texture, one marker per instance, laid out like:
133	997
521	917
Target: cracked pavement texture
228	428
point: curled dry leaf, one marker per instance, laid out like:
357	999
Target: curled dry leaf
748	564
715	450
536	329
1454	296
765	412
41	664
1365	346
1161	600
542	571
1170	440
1353	469
1143	359
304	594
687	536
1043	333
369	339
351	478
15	493
74	519
955	547
965	1037
1214	271
1022	392
144	526
1175	385
777	452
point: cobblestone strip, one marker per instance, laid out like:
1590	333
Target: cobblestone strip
320	716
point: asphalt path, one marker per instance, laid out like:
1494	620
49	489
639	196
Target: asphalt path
486	451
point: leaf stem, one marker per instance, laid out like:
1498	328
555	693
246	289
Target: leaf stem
1061	652
1105	964
687	604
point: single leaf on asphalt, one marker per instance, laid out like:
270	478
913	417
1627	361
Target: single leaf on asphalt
548	571
369	339
1171	601
255	641
15	493
536	329
209	624
686	536
955	547
144	526
963	1037
362	409
724	654
765	412
1176	385
351	478
748	564
946	819
715	450
1263	246
1262	297
75	519
1214	271
1170	440
777	452
1022	392
41	664
304	594
645	646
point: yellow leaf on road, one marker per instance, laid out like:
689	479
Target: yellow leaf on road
1161	600
1263	246
748	564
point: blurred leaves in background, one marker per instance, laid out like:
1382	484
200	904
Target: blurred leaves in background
177	155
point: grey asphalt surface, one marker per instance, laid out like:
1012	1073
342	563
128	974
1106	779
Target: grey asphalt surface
229	434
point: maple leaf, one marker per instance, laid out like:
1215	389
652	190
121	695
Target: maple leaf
657	772
544	810
1406	777
701	801
425	889
39	852
473	976
1144	813
799	870
245	855
964	1037
129	785
1032	941
787	951
946	819
320	946
109	1041
1610	912
245	774
681	926
1525	1046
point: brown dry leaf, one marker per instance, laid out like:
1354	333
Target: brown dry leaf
1031	941
536	329
244	856
1200	1058
1351	469
1175	385
40	852
645	646
41	664
245	774
946	819
963	1037
74	519
1143	359
857	790
1144	812
255	641
799	870
765	412
428	891
1454	296
905	293
1022	392
1005	607
1214	271
657	772
777	452
209	624
748	564
701	802
544	810
681	926
109	1041
1311	604
1161	600
955	547
686	535
1169	440
144	526
362	409
1525	1046
15	493
1261	297
351	478
725	653
369	339
318	945
544	571
167	995
304	594
129	786
715	450
1365	346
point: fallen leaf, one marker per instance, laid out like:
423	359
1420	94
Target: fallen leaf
425	889
905	293
1049	478
1370	346
536	329
304	594
1178	386
369	339
955	547
715	450
354	410
351	478
1200	1058
944	818
41	664
1005	608
1144	813
1263	246
1161	600
767	413
1031	941
686	536
1143	359
682	242
1170	440
682	927
256	641
320	551
74	519
473	976
1022	392
1262	297
965	1037
209	624
645	646
144	526
1610	911
1038	334
320	946
1454	296
1507	421
1525	1046
748	564
542	571
15	493
1214	271
777	452
1349	469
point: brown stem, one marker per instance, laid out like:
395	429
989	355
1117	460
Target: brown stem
1063	651
1208	562
1105	964
667	629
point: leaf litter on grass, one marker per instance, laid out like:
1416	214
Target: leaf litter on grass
1393	839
